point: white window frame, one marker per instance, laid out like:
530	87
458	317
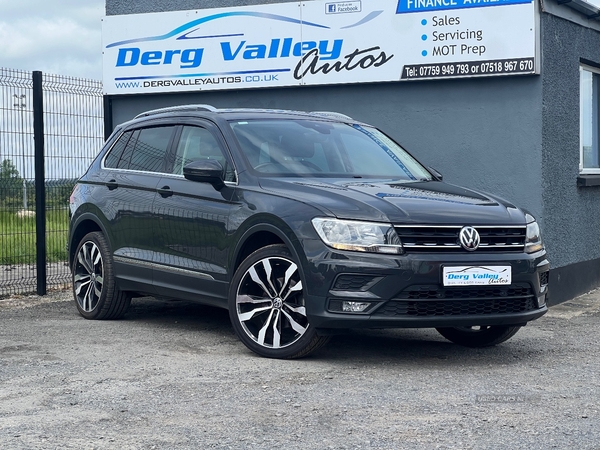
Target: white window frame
583	119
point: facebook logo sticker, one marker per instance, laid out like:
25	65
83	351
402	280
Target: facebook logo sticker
349	7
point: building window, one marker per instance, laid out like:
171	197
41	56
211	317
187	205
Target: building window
589	120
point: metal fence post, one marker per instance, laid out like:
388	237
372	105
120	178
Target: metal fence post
40	188
108	117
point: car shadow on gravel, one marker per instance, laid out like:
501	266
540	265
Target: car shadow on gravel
420	345
179	313
375	347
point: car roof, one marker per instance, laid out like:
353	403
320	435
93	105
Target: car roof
202	110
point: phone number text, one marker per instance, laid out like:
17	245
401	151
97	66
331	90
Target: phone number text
469	69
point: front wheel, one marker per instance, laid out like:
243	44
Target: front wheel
484	336
267	308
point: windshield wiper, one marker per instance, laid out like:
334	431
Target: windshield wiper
419	180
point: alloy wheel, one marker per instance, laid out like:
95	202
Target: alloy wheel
88	276
270	305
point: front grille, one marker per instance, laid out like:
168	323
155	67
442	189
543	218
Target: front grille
423	238
424	301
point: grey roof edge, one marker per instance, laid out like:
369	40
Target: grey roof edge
584	7
577	11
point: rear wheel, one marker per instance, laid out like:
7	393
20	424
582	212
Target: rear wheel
96	295
484	336
267	308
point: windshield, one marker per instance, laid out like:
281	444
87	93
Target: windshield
316	148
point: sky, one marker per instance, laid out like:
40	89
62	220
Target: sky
55	36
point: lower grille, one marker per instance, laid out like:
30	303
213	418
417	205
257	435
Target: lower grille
456	308
479	292
429	301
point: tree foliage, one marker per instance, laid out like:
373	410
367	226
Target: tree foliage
8	170
11	184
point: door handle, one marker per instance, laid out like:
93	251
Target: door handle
111	185
165	191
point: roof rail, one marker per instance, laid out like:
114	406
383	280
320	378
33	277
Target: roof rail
177	108
332	114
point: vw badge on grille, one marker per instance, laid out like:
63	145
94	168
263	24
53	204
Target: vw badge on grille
469	238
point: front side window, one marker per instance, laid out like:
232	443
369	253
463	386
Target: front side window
198	144
324	149
589	120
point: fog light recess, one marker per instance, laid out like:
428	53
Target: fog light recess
541	300
355	306
349	306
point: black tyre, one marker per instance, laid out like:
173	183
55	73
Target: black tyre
266	306
96	295
485	336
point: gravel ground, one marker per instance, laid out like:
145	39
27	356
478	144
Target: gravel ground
173	375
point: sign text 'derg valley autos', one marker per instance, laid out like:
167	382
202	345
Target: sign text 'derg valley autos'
192	58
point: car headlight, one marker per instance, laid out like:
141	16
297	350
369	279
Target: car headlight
358	236
533	236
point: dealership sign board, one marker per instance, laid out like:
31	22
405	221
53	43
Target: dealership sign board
318	43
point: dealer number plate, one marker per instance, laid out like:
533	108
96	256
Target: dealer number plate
477	275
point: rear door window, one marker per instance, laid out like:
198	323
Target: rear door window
150	151
142	150
116	153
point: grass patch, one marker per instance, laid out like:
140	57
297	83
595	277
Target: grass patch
17	237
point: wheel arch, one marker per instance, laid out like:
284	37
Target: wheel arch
259	236
85	224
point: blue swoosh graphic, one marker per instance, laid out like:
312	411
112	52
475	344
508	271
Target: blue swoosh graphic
186	35
366	19
202	20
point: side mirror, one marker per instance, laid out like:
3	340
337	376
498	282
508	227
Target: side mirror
437	175
205	171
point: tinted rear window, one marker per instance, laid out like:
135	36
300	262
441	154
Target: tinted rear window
144	150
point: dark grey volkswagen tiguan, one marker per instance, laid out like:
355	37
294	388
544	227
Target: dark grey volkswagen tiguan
300	224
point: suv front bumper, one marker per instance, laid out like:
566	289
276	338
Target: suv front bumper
407	291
